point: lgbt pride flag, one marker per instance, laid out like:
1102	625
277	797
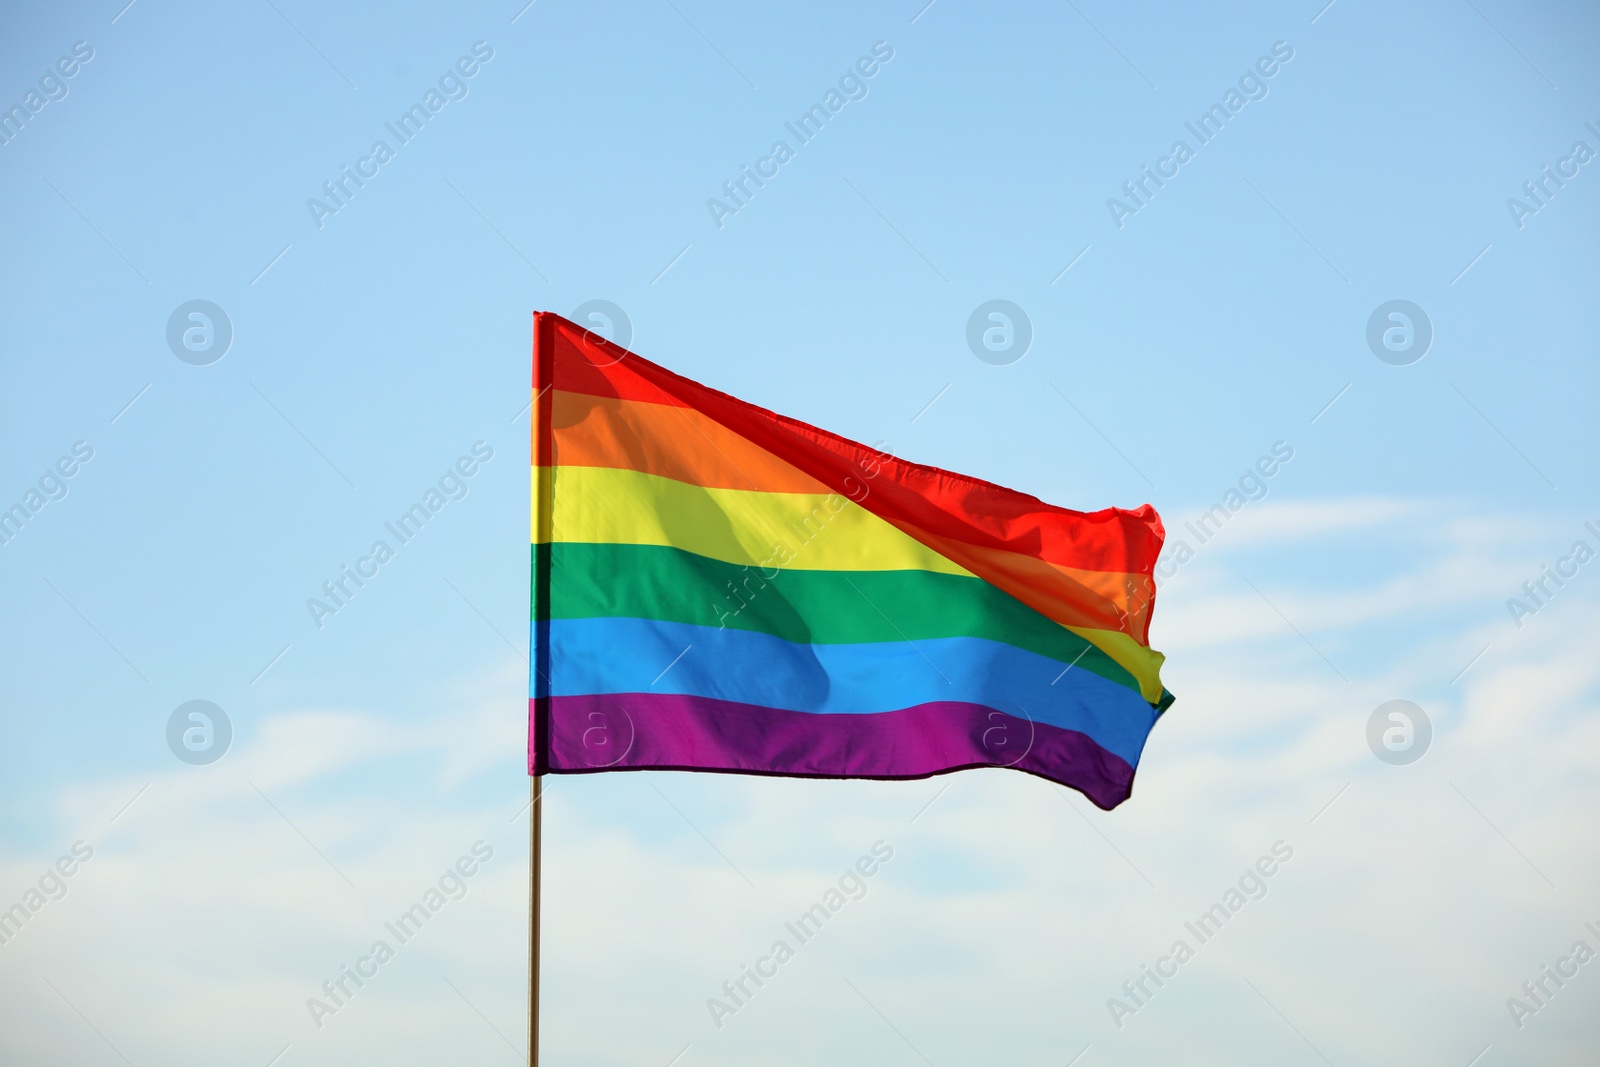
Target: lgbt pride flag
720	588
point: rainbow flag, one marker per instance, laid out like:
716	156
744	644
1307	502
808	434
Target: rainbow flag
720	588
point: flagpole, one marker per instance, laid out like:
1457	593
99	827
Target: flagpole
543	357
534	828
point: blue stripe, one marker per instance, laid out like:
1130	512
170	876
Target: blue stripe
617	655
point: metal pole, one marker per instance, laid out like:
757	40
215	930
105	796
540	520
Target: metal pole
535	784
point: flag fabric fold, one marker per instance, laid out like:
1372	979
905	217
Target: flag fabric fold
720	588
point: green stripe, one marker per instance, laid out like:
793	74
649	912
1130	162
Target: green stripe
807	607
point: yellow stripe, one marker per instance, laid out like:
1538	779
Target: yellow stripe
807	531
1138	660
795	531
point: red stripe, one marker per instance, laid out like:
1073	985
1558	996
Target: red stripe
544	350
585	362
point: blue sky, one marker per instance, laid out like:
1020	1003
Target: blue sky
373	347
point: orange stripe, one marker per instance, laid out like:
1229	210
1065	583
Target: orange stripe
672	442
1106	600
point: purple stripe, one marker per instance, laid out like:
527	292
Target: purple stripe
661	731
